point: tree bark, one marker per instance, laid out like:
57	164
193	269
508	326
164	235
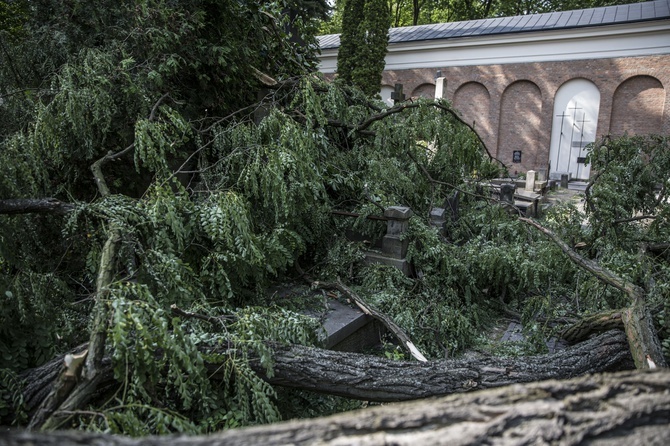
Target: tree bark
378	379
34	206
595	323
610	409
74	388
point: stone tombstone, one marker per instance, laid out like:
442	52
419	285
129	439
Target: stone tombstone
507	192
397	223
397	95
530	180
398	219
441	88
438	218
565	179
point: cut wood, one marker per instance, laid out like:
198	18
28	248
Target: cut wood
609	409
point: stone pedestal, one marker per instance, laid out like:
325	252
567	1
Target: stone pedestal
437	218
530	180
441	88
397	224
565	179
394	248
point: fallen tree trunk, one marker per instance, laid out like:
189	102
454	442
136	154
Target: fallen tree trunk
595	323
373	378
17	206
615	409
378	379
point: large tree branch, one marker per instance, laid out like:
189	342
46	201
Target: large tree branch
384	319
604	275
34	206
615	409
373	378
642	338
407	105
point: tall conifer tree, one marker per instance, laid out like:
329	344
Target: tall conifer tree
363	44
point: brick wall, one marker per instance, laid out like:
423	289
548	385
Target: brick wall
512	104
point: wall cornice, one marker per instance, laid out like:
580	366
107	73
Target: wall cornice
611	41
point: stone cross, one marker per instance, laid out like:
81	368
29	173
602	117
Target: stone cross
397	95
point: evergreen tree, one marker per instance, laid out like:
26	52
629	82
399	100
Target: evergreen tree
363	44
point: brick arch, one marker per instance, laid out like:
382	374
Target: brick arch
473	101
519	128
426	90
637	106
575	118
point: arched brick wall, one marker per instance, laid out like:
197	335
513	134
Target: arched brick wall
424	91
520	117
637	106
473	102
634	93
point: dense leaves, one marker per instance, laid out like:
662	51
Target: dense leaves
364	39
423	12
213	187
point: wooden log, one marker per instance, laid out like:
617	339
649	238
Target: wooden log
373	378
615	409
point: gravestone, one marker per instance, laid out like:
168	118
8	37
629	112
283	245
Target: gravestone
397	95
440	87
565	179
394	247
397	224
437	219
530	180
507	193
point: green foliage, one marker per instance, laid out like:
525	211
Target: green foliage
11	397
32	327
364	39
412	13
216	196
628	212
